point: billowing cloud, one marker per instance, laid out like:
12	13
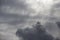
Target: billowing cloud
19	13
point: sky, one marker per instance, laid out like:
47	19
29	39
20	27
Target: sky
15	14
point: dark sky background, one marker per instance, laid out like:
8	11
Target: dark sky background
15	14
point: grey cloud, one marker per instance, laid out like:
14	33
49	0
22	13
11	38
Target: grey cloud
20	18
21	6
13	18
55	10
33	34
57	5
14	3
52	28
53	17
7	36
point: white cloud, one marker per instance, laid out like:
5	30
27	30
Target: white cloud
40	6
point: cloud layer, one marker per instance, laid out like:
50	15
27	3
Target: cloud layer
19	13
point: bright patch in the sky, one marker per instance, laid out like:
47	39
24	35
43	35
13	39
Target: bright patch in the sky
40	6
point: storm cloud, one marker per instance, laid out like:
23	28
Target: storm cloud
15	14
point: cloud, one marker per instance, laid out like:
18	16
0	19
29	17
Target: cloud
11	14
37	32
52	28
20	13
7	36
12	11
33	9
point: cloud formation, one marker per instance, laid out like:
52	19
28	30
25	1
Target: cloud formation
19	13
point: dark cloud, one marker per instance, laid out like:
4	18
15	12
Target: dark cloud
12	18
57	5
52	28
11	13
14	5
35	33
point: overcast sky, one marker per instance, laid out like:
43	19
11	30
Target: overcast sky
15	14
